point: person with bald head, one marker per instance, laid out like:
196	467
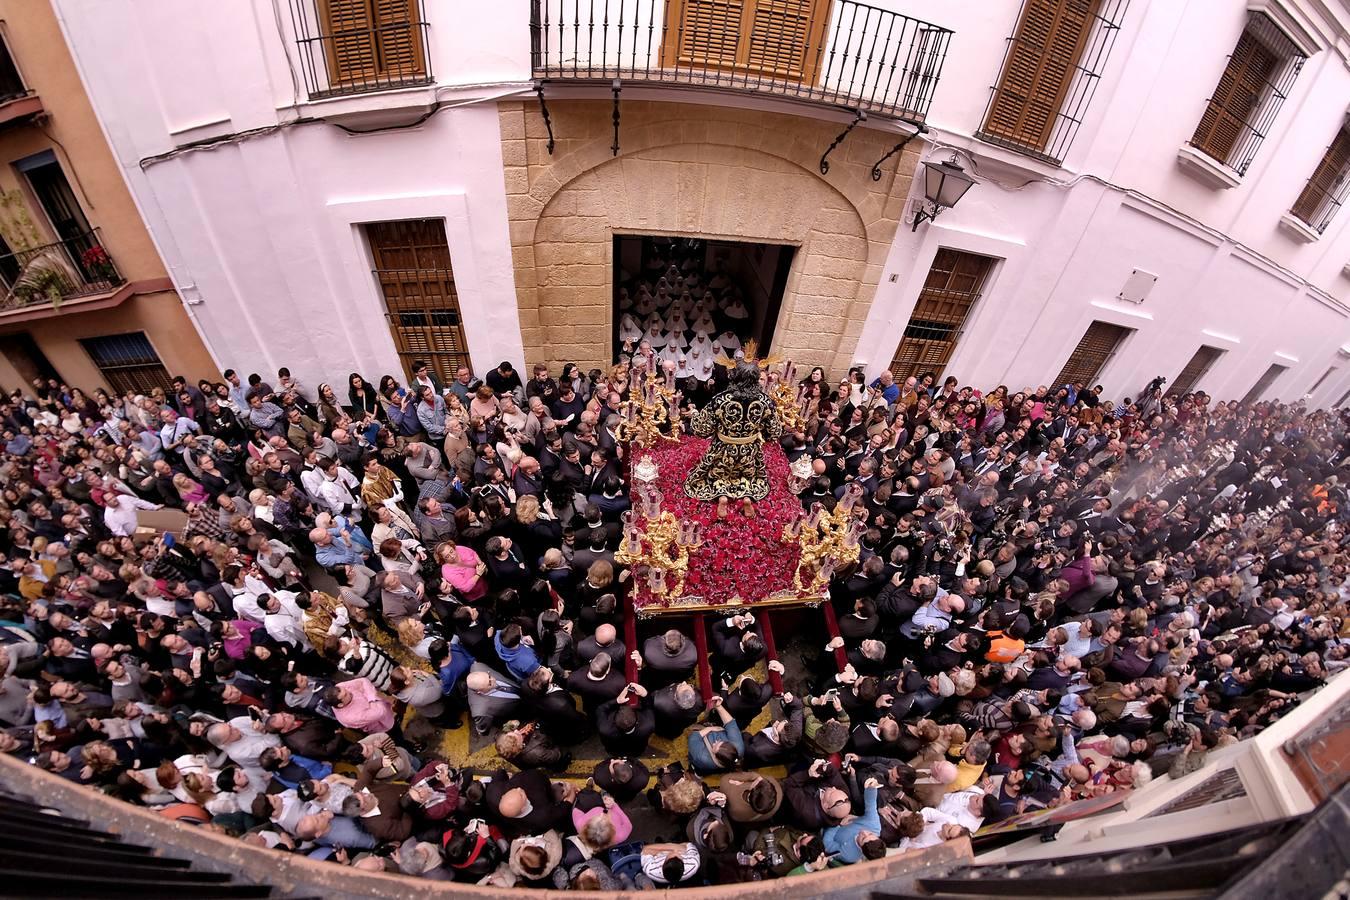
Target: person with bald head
525	803
605	640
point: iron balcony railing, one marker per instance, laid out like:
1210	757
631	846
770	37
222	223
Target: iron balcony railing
76	267
359	47
842	52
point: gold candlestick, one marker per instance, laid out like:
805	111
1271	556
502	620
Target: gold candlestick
661	544
825	537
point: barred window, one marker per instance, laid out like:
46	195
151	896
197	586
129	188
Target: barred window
1095	349
1051	67
1254	85
1327	188
128	362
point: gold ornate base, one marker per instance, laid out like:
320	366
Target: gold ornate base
682	606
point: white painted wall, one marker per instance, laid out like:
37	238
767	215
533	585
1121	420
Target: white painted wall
262	231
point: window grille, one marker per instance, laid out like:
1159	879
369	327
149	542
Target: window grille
1266	380
955	281
1095	349
128	362
412	267
1203	360
1051	68
358	46
1327	188
1254	85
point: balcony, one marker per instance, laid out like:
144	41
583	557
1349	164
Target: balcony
360	46
839	53
43	278
19	108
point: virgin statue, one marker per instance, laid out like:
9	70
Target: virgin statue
739	420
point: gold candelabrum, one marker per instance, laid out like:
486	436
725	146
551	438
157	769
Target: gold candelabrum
788	397
827	539
656	544
653	405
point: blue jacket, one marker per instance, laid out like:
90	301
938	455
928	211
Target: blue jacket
842	840
701	759
289	778
519	660
459	662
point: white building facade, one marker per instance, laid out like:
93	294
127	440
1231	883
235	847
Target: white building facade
1158	182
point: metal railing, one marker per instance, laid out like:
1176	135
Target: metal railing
368	49
1240	113
842	53
76	267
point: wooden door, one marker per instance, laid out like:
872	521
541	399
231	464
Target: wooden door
412	267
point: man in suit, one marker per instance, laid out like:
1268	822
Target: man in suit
778	741
523	804
736	645
625	729
605	640
668	658
676	706
492	697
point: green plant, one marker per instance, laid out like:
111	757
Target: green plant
46	278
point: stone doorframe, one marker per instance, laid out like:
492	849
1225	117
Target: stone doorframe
695	171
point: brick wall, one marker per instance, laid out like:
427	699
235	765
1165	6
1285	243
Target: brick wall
707	171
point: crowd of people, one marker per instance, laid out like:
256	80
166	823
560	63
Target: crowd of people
1058	597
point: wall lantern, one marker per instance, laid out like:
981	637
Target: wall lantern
944	184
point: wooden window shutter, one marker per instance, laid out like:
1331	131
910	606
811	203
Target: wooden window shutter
775	38
1326	180
1235	97
351	42
1042	57
781	37
705	32
369	40
1096	346
398	38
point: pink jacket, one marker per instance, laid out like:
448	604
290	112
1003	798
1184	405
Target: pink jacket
465	579
622	827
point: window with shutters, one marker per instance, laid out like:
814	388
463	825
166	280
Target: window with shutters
1254	85
412	268
1264	382
781	39
1051	67
1095	349
128	362
356	46
1203	360
1327	188
955	281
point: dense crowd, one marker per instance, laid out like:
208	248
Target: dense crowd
1058	597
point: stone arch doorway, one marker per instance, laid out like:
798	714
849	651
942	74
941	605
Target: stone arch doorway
709	172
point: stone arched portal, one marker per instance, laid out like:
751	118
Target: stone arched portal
702	171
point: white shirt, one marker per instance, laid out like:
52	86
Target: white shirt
121	519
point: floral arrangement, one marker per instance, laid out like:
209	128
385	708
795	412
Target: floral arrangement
741	560
98	264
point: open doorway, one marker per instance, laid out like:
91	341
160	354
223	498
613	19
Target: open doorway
695	298
27	358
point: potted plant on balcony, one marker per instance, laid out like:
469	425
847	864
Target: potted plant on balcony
99	264
46	278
